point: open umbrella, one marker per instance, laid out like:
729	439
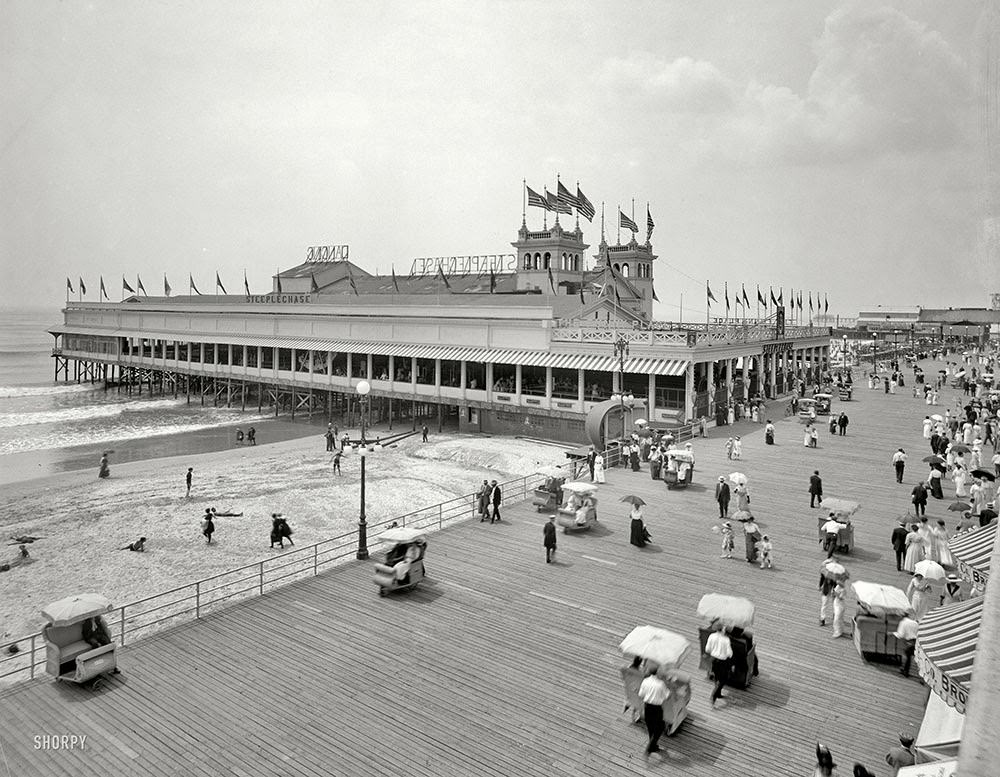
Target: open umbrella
881	599
76	608
640	422
933	459
738	478
939	467
961	448
580	488
937	417
833	571
742	516
666	648
405	534
635	500
987	514
982	473
959	507
729	610
929	569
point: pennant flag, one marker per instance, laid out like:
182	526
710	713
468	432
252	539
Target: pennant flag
552	283
166	286
69	285
584	206
138	284
395	283
773	300
583	300
556	204
493	281
625	221
655	298
649	224
218	283
711	296
746	300
810	302
760	298
246	283
126	287
800	300
83	289
103	294
826	304
535	200
314	287
277	277
727	299
444	277
191	286
781	297
566	197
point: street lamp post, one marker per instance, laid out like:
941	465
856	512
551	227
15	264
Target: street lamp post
624	398
843	351
362	390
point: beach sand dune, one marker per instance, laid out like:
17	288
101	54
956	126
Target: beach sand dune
86	521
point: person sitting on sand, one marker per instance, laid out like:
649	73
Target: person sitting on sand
139	546
226	514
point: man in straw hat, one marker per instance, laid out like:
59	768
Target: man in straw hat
901	756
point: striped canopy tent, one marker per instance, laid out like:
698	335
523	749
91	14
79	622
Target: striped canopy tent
972	551
946	647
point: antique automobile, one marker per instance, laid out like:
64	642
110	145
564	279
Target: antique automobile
736	614
678	471
579	512
403	568
78	644
650	648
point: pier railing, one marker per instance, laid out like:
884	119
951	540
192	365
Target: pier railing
133	620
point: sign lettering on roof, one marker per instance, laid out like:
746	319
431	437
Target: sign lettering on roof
327	253
279	299
477	264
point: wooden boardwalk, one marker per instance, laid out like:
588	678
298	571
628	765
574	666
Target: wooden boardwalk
504	665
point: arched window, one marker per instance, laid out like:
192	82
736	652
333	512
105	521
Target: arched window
576	261
548	259
527	261
624	271
538	261
618	268
562	264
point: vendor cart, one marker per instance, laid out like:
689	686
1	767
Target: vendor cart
651	648
880	608
679	469
842	511
736	614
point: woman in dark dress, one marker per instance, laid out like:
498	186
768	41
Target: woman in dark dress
751	533
638	534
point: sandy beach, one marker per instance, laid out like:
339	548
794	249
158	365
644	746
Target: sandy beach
85	521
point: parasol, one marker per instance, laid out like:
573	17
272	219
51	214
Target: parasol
76	608
833	570
982	473
840	506
400	534
937	417
635	500
960	448
640	422
728	610
881	599
959	507
929	569
933	459
742	515
580	488
987	514
738	478
666	648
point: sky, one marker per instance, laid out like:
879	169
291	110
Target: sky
833	147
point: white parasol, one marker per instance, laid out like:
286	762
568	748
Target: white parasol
929	569
728	610
937	417
881	599
76	608
654	644
578	487
738	478
403	534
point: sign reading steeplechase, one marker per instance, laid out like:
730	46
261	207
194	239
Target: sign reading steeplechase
280	299
464	265
327	253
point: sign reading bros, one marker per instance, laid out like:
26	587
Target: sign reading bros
327	253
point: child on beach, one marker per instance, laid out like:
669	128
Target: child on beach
765	546
728	543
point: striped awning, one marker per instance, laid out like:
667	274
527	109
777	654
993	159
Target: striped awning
973	550
946	648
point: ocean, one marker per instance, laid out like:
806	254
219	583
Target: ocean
48	427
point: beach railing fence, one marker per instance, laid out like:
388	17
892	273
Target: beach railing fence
145	616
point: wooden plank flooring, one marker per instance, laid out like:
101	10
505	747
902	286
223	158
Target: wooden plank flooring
503	665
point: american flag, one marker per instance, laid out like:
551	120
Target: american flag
535	200
649	225
625	221
584	206
566	197
556	204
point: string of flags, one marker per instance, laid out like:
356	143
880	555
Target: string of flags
742	299
140	288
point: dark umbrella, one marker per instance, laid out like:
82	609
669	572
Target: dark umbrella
933	459
939	467
959	507
635	500
961	448
987	514
982	473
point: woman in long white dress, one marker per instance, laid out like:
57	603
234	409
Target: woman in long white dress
960	477
807	435
599	469
914	549
942	551
928	423
920	596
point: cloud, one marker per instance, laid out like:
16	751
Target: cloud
882	84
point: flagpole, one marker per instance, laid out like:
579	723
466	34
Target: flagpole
524	202
619	224
680	310
708	307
